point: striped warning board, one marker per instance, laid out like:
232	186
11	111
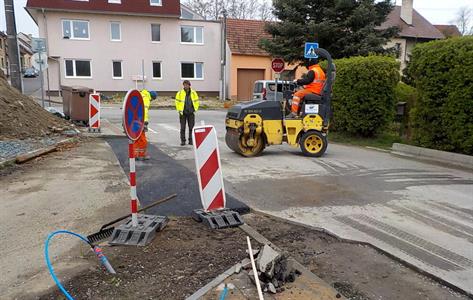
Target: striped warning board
209	171
94	113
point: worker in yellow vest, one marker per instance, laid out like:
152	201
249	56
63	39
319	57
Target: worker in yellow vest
140	146
187	103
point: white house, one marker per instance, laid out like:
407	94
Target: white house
413	29
108	44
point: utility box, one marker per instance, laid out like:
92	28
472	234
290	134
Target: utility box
75	102
401	109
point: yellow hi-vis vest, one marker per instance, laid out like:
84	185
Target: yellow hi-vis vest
146	101
181	100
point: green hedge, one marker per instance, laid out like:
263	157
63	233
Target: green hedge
363	94
442	72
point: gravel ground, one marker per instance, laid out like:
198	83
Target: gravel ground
12	148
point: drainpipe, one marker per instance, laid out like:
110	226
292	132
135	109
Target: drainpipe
47	48
222	69
224	54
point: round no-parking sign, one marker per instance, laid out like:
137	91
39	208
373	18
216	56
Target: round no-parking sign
133	114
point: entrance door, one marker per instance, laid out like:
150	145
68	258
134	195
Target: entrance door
245	81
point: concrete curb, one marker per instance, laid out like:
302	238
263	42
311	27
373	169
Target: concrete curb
356	242
214	283
431	155
262	240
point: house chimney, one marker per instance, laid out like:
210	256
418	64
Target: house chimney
406	11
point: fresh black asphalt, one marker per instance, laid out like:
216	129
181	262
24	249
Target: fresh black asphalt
162	176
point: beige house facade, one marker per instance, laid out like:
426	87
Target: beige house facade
413	29
109	48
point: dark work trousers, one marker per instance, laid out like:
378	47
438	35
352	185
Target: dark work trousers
190	119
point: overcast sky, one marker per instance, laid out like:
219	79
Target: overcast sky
436	11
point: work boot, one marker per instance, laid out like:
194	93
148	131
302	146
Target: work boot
190	142
183	143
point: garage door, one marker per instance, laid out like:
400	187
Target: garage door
245	81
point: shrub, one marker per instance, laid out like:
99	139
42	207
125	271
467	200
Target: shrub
363	94
443	75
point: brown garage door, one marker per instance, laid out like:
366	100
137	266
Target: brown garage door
245	82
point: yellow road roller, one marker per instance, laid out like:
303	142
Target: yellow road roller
254	125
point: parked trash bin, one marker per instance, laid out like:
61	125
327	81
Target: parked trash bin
75	102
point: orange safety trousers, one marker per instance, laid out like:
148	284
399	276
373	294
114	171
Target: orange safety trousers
140	146
296	100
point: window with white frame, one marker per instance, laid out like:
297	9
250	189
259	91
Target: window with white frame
192	35
75	29
117	69
155	32
192	70
78	68
155	2
115	31
115	1
157	74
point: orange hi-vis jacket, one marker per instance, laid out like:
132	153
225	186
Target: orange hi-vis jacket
319	80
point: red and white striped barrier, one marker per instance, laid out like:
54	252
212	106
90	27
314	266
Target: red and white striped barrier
209	171
94	113
133	194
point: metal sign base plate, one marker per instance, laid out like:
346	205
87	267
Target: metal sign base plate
142	235
218	219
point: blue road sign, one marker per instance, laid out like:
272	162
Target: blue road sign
309	50
133	114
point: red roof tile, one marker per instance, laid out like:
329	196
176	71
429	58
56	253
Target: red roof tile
421	28
170	7
243	36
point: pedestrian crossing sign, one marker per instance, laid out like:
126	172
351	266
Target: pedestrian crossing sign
309	51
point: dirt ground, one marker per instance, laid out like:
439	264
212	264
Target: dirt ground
21	117
358	272
187	255
184	257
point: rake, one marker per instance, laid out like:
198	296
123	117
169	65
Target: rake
106	231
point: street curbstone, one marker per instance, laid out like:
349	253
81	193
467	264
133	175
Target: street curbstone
456	159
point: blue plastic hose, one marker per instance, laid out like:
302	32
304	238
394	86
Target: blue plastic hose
95	249
223	295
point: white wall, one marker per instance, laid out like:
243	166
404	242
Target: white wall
135	46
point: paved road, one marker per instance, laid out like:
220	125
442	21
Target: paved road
420	213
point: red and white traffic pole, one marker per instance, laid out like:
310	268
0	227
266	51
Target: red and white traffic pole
133	194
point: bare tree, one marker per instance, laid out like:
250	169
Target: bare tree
464	20
266	11
236	9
